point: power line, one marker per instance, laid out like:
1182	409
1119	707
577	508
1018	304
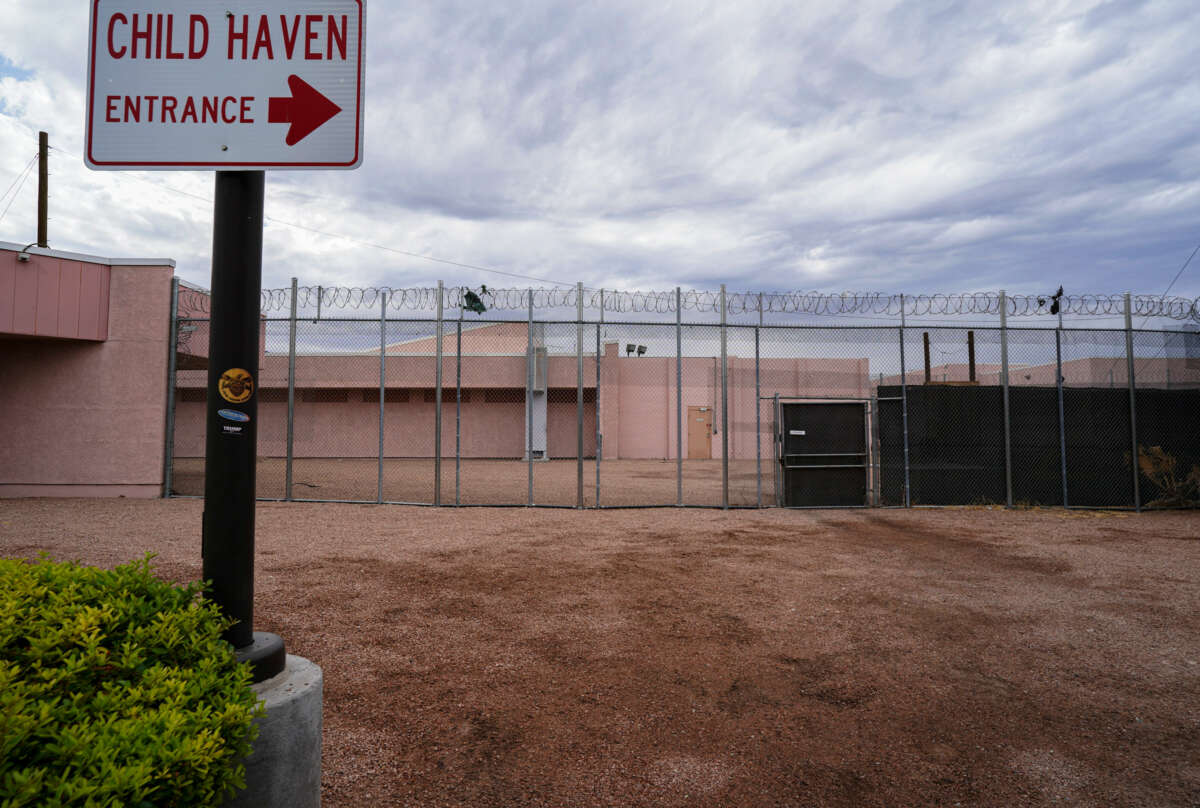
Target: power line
19	182
417	255
364	243
1146	319
1181	269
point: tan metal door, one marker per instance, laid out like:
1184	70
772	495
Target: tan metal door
700	433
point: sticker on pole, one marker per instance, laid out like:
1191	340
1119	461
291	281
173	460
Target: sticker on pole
236	85
236	385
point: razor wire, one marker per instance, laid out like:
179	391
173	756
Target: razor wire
353	298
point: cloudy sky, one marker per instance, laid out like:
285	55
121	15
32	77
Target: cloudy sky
921	146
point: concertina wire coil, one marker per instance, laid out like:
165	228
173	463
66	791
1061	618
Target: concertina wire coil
664	302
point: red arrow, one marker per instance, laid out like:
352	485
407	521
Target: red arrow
305	110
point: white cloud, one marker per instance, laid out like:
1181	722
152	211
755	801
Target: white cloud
879	145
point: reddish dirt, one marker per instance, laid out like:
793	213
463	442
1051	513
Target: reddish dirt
520	657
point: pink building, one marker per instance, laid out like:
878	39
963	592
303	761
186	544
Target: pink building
337	400
85	344
83	364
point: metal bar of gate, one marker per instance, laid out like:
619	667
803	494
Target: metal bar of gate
904	409
877	467
530	371
458	405
578	394
172	349
776	452
382	385
1008	481
869	476
757	410
437	403
291	400
724	408
678	398
1062	421
596	401
1137	493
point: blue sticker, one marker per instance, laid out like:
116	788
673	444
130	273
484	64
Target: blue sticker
234	415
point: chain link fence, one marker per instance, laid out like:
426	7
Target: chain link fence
585	398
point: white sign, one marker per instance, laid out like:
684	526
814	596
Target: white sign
225	84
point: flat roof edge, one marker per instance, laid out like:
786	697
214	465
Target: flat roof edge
88	259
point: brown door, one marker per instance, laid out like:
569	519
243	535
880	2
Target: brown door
699	433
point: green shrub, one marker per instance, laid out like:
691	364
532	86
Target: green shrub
116	689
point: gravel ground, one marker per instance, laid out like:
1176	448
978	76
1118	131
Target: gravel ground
521	657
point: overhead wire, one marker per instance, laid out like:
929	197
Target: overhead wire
1173	280
1162	351
863	305
19	182
1181	269
352	239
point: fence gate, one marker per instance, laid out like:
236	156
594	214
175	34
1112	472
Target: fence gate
823	453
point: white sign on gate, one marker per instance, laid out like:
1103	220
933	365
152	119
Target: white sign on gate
225	84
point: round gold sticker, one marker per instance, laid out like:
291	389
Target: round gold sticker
236	385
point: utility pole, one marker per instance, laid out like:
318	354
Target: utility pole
43	188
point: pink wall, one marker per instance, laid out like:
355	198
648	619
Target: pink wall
509	339
636	402
637	398
48	296
350	428
87	417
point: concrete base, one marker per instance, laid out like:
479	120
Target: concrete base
284	770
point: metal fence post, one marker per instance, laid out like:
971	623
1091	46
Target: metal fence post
382	385
437	403
1008	480
904	409
578	394
458	405
530	372
678	398
596	401
776	452
1062	420
1137	493
291	399
724	407
169	424
758	410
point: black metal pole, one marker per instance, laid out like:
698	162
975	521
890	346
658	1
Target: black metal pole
1062	421
43	209
232	417
971	356
925	336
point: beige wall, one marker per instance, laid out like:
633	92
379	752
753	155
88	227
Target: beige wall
636	404
638	398
350	428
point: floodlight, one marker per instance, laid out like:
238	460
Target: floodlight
641	350
629	349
